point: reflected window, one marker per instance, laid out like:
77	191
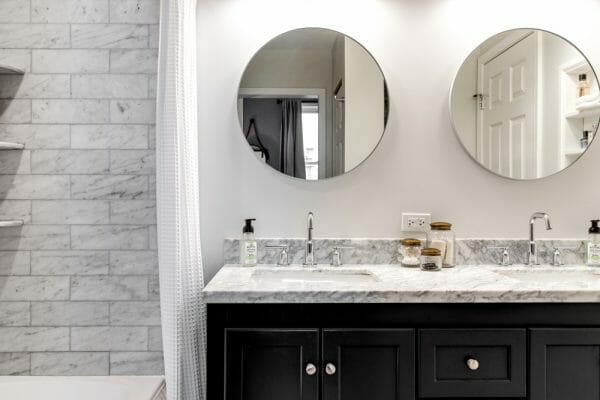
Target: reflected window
310	138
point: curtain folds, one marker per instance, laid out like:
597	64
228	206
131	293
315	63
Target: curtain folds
180	263
292	148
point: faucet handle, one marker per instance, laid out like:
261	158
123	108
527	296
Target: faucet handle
557	254
505	255
556	257
283	255
336	257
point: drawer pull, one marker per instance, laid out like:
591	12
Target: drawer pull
330	369
311	369
472	364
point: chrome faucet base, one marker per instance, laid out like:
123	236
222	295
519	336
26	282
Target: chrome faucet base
533	254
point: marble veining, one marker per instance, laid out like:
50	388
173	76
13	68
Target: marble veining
385	251
396	284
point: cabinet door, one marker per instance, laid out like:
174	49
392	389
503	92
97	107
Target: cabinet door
272	364
565	364
368	364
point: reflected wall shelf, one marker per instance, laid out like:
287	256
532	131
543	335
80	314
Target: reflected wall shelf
587	113
574	122
7	223
9	69
574	152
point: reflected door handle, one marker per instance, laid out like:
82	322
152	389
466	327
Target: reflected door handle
310	369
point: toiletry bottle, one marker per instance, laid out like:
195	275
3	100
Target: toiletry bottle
593	244
585	140
583	87
248	246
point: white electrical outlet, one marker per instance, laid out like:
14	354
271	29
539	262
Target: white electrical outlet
415	222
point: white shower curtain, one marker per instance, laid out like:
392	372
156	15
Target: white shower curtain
180	263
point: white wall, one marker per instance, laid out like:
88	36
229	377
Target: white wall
555	54
419	165
282	68
364	104
464	105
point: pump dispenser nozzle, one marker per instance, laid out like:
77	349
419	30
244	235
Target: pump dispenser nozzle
594	228
248	228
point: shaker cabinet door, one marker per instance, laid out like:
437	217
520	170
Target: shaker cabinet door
273	364
368	364
565	364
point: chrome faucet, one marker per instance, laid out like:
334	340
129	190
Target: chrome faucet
309	253
533	254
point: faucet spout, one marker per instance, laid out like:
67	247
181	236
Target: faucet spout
309	253
533	254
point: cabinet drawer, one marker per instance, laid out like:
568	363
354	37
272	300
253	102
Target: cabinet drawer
472	363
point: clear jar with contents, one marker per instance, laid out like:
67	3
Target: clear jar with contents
431	259
410	253
442	238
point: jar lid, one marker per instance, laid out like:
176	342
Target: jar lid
430	251
410	242
441	226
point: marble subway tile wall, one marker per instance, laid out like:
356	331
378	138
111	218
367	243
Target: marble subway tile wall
79	281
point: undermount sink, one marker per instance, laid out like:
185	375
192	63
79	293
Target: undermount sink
551	276
315	276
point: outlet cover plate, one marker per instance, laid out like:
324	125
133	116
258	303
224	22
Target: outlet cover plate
415	222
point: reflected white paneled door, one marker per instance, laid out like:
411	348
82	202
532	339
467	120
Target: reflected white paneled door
507	141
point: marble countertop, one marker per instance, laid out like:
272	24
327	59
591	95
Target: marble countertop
396	284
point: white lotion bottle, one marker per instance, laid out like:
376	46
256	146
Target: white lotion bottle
248	245
593	244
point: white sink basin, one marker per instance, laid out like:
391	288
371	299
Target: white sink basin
314	275
552	276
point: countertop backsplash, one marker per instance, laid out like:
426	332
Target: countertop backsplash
385	251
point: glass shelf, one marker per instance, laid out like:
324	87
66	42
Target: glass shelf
7	223
11	146
9	69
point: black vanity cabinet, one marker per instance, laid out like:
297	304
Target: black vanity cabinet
272	364
403	351
565	364
368	364
265	364
459	363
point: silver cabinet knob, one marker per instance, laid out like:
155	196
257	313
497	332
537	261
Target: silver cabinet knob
330	369
311	369
472	364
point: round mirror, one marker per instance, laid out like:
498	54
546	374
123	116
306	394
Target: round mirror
312	103
525	104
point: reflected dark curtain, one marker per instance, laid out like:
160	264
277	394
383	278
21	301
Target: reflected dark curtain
292	146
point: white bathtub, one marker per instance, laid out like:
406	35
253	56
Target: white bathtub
79	387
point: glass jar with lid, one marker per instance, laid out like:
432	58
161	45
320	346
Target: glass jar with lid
442	238
431	259
410	253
